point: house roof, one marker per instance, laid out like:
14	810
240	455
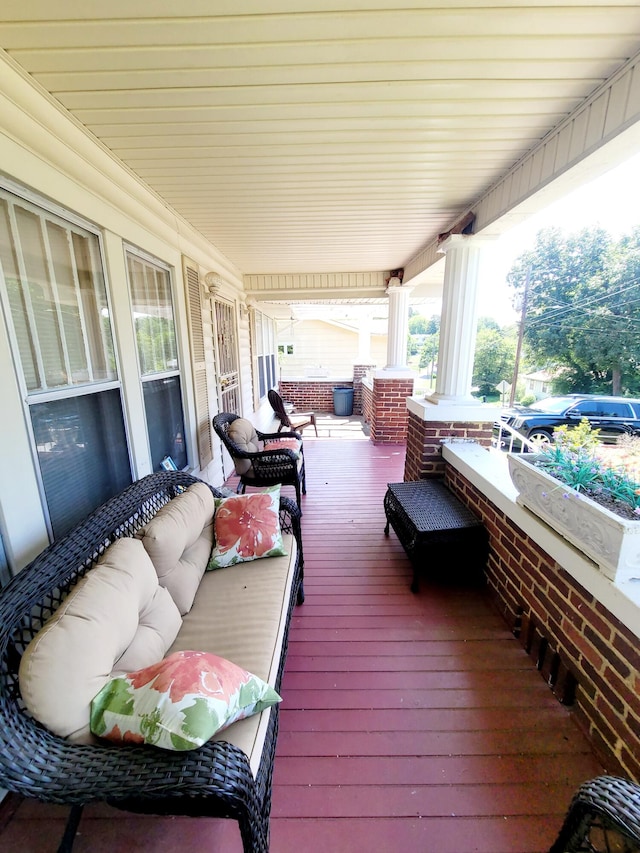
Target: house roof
310	136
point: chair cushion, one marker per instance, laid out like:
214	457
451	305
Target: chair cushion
240	614
179	539
243	434
284	444
118	612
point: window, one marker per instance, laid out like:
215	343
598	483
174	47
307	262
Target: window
155	329
55	300
285	349
265	337
615	410
587	408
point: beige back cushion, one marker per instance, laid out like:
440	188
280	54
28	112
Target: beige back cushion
179	540
243	434
116	619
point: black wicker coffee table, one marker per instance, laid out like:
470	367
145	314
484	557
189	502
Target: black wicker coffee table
436	530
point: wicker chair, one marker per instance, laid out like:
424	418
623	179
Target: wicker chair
295	421
262	467
604	816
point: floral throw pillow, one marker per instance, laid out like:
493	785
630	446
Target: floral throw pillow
246	527
178	703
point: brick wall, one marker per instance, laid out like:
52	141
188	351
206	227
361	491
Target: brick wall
424	448
567	630
389	410
359	372
310	396
367	403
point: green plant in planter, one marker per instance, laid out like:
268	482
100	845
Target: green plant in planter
572	459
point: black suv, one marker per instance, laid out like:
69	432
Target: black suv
613	416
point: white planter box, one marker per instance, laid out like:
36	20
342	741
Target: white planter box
609	540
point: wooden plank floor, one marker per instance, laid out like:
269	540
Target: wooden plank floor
409	722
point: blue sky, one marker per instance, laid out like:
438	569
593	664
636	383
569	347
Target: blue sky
611	201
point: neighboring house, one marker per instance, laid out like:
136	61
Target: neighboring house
327	348
538	384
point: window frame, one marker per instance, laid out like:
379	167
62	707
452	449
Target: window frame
177	372
265	363
89	387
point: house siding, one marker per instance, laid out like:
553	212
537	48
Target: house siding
325	349
49	160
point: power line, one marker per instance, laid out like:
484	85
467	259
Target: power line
553	315
545	320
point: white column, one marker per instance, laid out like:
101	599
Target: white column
364	337
458	321
398	325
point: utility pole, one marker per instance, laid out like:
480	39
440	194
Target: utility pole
523	314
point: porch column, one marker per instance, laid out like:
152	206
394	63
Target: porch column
398	325
364	338
458	320
394	383
451	412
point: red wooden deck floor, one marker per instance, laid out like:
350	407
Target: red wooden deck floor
409	722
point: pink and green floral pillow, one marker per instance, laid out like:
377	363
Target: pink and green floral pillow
246	527
178	703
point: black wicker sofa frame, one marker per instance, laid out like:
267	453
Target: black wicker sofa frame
212	781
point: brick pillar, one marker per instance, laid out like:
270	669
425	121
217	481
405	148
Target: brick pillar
367	403
424	450
389	408
359	372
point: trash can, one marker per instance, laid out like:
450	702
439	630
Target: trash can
343	401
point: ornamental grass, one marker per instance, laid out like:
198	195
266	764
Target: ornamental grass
607	475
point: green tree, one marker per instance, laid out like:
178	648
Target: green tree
582	308
429	353
418	325
494	356
412	346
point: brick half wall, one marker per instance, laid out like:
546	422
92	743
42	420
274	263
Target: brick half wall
531	589
424	447
310	396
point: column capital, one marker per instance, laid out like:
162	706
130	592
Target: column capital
465	241
395	285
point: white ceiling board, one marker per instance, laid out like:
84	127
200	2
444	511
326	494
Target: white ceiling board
301	135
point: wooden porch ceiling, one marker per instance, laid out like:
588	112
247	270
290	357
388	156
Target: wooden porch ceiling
409	722
314	136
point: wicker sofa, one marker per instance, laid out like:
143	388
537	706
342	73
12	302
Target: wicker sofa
230	775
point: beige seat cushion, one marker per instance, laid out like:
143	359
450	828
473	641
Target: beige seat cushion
179	539
240	613
117	616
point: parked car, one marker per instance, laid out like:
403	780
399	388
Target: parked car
613	416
